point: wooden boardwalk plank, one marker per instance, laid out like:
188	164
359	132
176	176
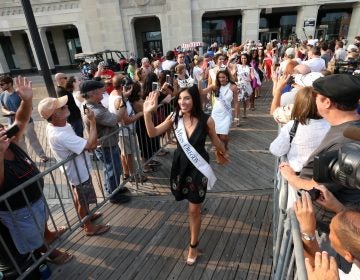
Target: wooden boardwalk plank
149	236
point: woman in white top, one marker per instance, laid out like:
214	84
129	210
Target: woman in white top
309	134
225	92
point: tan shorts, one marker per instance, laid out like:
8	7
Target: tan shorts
128	144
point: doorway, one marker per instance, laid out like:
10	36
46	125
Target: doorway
148	37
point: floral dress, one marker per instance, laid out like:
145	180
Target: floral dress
244	82
186	181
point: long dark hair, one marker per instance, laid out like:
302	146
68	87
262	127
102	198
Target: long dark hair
135	93
196	110
70	83
147	87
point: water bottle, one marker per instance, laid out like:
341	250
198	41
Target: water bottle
44	271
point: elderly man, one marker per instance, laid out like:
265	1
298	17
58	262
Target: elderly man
107	127
63	143
75	115
336	100
344	237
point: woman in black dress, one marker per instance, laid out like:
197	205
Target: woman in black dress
186	181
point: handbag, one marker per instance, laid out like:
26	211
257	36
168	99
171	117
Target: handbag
293	130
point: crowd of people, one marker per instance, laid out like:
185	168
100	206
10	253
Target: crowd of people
315	100
189	96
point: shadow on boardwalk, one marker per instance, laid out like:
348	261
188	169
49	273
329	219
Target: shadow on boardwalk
149	236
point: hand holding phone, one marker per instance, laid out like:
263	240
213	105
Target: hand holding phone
154	86
10	132
84	107
168	79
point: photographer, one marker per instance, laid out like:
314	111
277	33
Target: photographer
344	237
337	98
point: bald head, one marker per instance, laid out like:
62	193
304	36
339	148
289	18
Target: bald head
345	227
60	79
302	69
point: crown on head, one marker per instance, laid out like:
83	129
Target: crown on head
189	82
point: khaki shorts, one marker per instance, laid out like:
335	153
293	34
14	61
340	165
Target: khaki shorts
128	144
86	192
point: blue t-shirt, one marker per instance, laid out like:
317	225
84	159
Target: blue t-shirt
11	102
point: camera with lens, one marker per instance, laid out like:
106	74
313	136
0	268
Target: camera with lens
341	167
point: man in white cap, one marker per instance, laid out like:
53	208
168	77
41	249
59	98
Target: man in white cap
63	143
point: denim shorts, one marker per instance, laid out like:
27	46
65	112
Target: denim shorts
27	234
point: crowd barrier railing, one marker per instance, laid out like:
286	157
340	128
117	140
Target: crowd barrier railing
15	264
288	253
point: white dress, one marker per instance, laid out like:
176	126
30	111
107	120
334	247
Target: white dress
221	112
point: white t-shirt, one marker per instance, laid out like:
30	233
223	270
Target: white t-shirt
130	111
354	273
316	64
63	143
105	100
167	64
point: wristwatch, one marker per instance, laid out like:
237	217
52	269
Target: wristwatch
308	237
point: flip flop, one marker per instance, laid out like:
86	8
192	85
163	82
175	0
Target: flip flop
100	229
63	258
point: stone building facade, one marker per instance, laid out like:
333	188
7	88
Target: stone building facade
67	27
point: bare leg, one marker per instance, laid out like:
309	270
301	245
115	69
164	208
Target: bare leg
244	106
195	224
225	139
124	164
252	101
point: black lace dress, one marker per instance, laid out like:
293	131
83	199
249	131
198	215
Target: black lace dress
186	181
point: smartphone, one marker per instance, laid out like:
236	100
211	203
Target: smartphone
84	107
154	86
175	76
10	132
314	193
168	80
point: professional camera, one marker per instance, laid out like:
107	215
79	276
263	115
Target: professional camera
341	167
346	66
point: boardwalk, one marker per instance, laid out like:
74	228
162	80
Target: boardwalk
149	236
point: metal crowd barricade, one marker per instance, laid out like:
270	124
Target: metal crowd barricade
56	179
288	253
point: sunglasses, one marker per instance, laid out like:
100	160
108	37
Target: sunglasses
65	78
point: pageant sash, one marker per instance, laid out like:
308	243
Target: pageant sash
196	159
223	102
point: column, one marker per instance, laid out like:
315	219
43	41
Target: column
4	68
45	43
304	13
84	38
33	49
250	24
354	28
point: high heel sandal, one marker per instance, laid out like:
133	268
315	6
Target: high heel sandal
191	261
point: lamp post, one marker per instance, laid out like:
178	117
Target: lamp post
40	53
